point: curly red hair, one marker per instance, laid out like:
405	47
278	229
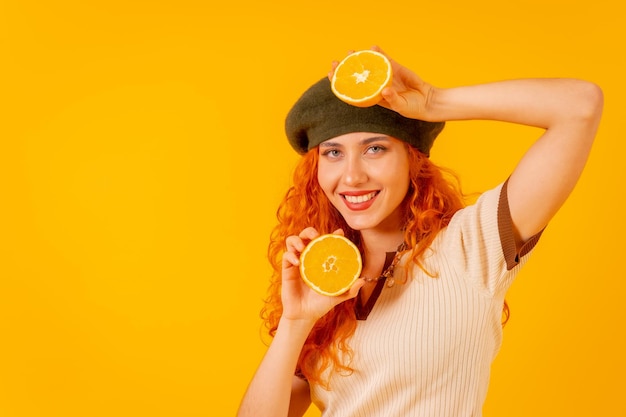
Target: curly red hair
433	197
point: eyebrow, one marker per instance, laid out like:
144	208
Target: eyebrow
330	144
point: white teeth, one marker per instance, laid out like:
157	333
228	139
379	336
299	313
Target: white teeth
354	199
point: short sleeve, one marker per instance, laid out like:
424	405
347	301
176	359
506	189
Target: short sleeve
479	243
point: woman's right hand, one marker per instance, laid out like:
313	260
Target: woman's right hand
300	302
272	391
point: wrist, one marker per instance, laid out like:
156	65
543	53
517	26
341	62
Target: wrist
296	326
434	105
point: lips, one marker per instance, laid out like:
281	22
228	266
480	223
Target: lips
359	200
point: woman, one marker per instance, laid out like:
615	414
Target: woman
416	340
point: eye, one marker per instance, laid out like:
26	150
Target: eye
376	149
332	153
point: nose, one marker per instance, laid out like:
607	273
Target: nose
355	171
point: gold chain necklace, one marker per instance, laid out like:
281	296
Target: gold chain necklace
388	273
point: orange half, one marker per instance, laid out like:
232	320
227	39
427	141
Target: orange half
360	78
330	264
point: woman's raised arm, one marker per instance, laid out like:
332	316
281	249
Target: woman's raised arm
568	109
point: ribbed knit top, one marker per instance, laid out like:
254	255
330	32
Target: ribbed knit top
427	345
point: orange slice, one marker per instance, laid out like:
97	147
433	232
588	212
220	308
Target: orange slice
360	77
330	264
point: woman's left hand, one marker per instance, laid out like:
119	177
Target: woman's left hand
408	94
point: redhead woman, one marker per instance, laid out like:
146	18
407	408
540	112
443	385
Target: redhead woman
417	334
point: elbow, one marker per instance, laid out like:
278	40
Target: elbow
592	103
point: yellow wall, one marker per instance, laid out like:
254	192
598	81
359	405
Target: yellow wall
142	158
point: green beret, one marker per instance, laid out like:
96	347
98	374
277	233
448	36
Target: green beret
319	115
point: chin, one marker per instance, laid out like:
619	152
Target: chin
362	225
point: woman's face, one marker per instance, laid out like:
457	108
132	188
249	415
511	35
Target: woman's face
365	176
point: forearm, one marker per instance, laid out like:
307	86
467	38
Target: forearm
542	103
269	392
569	110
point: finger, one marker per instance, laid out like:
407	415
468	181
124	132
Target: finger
294	244
389	94
339	232
333	67
309	233
290	259
377	48
393	99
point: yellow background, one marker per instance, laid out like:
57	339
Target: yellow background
142	158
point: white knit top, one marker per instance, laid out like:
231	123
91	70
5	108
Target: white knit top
427	346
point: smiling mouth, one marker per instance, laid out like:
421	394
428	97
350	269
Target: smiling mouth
356	199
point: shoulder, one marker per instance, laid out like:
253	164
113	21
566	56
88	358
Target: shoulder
479	243
482	215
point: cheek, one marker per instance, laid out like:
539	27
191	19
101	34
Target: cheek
402	184
325	181
328	173
400	189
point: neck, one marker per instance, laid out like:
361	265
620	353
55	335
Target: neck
380	242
